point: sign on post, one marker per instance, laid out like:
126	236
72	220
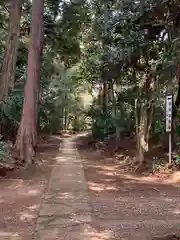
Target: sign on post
168	113
169	105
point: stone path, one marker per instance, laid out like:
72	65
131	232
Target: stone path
65	212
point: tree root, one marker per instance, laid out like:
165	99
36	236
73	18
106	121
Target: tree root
139	166
25	144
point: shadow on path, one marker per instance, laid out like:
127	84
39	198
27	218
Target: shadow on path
127	205
22	192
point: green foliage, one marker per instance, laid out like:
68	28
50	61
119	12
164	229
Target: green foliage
134	46
61	82
3	154
130	38
79	124
102	125
12	108
177	125
177	161
157	165
178	130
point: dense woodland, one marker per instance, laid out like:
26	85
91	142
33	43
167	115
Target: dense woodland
101	64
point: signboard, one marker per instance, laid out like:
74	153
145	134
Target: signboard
169	103
169	106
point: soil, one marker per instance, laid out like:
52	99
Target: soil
22	192
128	205
121	204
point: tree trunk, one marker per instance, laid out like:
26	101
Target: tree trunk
105	96
27	134
100	95
9	63
145	118
105	54
65	118
114	109
143	127
68	123
61	118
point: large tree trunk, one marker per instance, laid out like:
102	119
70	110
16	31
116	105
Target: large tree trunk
9	63
105	96
105	55
112	99
143	130
144	118
27	134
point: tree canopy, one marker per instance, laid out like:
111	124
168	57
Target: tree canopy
104	64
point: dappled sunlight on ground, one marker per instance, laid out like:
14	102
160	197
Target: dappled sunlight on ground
174	177
60	159
108	203
9	235
112	178
66	195
21	201
93	234
21	194
26	217
76	232
130	205
100	187
111	171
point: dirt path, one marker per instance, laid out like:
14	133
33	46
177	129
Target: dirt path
22	191
127	206
78	195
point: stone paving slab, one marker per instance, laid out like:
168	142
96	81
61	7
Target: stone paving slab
74	232
62	209
65	220
65	196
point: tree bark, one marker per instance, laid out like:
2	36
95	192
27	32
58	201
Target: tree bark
105	55
112	99
8	70
105	100
143	127
145	118
27	134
